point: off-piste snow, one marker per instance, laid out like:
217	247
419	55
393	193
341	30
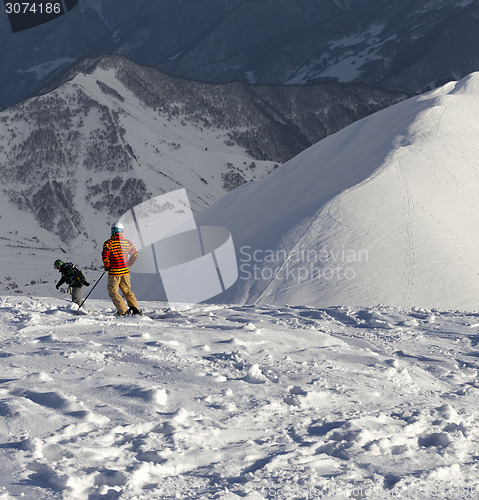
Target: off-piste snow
313	390
234	402
385	211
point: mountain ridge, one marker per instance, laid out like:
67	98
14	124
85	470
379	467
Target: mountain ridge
409	46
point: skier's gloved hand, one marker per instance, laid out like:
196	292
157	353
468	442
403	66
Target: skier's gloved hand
86	283
57	286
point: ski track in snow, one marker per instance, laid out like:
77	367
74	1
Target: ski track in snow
227	402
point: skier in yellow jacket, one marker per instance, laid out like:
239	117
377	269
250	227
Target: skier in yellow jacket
118	255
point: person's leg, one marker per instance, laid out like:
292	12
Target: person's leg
116	298
77	293
125	287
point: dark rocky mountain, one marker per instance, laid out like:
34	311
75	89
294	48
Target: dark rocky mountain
410	46
272	122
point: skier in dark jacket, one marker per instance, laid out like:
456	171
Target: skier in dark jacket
73	277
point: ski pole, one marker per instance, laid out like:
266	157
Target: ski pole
98	281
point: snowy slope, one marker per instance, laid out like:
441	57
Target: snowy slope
384	211
221	402
26	252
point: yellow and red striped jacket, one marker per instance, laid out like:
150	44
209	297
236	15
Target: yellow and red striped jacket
118	254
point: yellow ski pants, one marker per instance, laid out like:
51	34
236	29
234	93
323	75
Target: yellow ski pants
123	283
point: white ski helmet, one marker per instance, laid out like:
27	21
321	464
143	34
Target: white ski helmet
117	228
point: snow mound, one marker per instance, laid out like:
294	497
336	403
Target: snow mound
382	212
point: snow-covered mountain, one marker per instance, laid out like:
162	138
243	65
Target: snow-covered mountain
111	134
411	45
75	159
384	211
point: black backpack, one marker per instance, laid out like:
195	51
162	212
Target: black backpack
73	275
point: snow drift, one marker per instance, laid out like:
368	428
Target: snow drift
384	211
230	403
